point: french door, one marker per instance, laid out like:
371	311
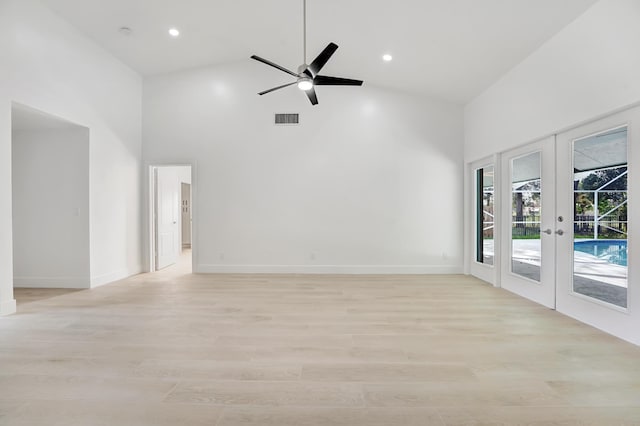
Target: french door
596	280
567	231
528	232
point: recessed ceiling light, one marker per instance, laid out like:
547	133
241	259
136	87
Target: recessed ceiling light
387	58
174	32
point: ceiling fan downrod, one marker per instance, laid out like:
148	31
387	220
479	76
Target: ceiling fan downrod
304	32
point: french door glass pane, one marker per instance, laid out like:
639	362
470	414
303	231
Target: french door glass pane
600	216
485	221
525	216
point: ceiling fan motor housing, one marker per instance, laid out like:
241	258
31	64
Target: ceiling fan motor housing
302	68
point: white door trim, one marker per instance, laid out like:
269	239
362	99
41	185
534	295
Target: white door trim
150	212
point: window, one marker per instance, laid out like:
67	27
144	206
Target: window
484	215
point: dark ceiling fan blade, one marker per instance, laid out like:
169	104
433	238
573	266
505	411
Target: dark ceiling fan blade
322	58
325	80
311	94
276	88
271	64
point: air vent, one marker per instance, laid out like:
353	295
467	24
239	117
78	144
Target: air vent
287	119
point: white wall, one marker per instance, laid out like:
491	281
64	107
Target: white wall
589	69
50	182
369	182
184	174
46	64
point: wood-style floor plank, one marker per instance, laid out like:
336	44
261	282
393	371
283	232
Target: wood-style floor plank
174	348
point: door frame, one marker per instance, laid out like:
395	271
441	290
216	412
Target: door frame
488	273
150	216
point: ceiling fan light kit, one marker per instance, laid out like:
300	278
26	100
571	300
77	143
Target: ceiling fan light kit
308	76
305	83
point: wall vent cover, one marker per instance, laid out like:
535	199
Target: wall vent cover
287	119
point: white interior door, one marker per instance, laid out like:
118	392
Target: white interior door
528	232
597	189
168	219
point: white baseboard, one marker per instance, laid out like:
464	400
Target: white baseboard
8	307
114	276
51	282
330	269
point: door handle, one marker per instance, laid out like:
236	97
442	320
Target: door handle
548	231
560	232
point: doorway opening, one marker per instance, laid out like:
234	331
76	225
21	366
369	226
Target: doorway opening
563	220
171	218
50	204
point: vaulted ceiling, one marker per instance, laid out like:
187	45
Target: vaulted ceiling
447	49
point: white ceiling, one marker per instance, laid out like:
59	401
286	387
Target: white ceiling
449	49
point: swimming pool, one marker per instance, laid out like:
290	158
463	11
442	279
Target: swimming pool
613	251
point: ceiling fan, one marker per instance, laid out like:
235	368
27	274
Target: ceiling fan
307	76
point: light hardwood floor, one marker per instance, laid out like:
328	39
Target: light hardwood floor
172	348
